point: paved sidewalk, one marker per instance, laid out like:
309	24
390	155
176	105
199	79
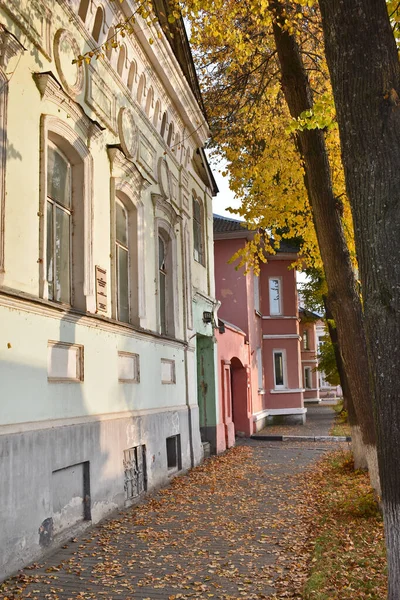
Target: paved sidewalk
319	422
217	532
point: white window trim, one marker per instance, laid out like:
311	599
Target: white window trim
128	249
128	181
280	312
66	210
283	352
163	226
49	125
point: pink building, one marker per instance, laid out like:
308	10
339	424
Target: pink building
265	311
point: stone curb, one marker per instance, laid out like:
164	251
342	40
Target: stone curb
302	438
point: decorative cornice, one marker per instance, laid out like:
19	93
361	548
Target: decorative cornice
9	47
164	206
50	89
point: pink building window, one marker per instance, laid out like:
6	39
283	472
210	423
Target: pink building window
275	296
279	369
306	343
307	378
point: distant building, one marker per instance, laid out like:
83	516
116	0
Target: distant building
265	383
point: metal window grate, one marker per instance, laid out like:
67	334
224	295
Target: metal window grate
135	472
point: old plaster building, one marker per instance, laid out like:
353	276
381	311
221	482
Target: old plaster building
106	267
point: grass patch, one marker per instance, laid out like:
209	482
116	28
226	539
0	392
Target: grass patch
348	559
341	425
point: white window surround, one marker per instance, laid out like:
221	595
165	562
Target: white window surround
126	185
275	353
69	142
123	250
166	232
59	226
275	296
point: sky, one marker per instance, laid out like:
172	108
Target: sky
225	197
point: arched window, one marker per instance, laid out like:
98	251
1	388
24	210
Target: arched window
122	262
156	115
127	253
162	282
67	221
170	137
149	101
98	22
165	283
163	124
141	87
59	225
109	47
83	10
131	75
121	60
198	233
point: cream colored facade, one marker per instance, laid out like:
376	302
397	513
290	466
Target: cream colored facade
99	329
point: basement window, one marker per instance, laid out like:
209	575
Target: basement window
174	461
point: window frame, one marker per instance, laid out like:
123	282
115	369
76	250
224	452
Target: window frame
164	230
69	142
282	386
272	312
126	248
68	211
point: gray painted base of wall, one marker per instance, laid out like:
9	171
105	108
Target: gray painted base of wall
57	481
209	434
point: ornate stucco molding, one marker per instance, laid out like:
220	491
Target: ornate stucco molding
50	89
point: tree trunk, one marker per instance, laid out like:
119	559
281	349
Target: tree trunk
357	445
344	299
365	73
